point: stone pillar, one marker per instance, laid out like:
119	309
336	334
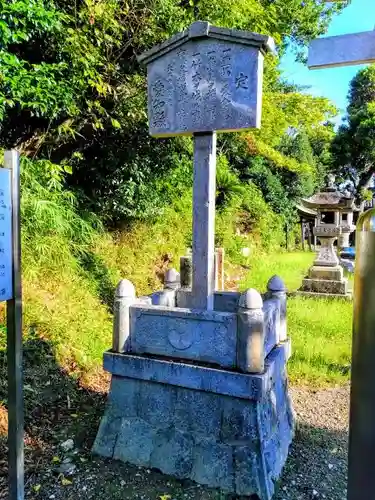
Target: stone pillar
171	280
186	271
327	234
219	269
204	193
277	290
251	332
124	298
167	297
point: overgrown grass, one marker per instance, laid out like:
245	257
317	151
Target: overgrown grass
320	329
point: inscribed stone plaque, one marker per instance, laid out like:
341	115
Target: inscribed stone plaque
6	289
183	333
205	79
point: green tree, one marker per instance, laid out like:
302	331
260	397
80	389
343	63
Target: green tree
72	91
353	149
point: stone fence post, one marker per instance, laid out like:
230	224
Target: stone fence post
219	269
124	298
167	297
276	289
251	332
186	271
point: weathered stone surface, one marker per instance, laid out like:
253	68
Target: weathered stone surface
248	472
134	442
239	424
247	386
226	301
198	412
325	286
124	400
106	438
236	444
209	336
152	403
205	83
124	297
213	464
251	332
173	452
276	289
272	324
204	199
326	273
339	296
166	298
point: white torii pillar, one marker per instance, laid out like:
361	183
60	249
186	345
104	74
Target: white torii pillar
330	52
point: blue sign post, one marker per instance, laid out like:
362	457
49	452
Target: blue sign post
10	290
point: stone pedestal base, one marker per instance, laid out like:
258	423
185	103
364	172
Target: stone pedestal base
325	286
219	428
326	273
324	280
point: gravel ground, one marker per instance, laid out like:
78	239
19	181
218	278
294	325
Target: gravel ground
316	468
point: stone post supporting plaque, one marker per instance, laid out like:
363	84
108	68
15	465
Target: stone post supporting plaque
204	193
124	298
251	332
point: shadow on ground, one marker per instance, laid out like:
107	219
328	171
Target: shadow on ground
60	407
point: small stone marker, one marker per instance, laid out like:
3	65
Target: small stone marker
199	81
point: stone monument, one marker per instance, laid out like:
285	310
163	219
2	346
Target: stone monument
335	219
199	384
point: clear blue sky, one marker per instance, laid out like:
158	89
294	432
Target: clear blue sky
333	83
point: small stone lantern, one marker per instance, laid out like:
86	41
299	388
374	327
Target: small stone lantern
335	221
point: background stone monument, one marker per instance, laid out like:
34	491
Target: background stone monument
335	216
199	384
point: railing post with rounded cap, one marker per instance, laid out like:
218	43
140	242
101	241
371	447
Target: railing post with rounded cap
124	298
171	280
250	332
167	297
277	290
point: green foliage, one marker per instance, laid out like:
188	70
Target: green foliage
321	350
49	215
353	149
72	91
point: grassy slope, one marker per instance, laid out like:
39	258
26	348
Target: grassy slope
320	329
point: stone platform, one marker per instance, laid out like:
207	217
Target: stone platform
220	428
200	394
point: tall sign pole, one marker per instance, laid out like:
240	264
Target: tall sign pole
10	290
345	50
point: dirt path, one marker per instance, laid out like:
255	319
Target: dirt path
316	467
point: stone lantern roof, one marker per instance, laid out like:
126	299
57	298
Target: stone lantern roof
203	29
330	199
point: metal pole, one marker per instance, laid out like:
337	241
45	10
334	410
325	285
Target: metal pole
361	477
204	193
14	343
